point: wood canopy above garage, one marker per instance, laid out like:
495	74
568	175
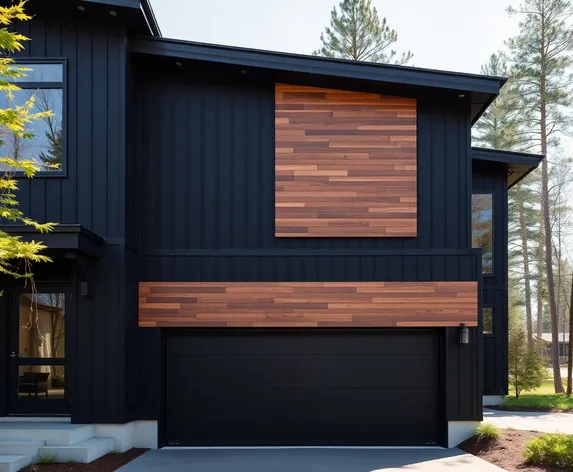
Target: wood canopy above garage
307	304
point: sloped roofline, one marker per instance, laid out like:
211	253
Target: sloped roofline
482	89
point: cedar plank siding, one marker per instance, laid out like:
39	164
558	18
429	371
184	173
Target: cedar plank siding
307	304
345	164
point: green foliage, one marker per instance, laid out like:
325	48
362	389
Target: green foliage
555	450
71	461
357	33
48	458
501	127
526	365
541	54
16	255
487	432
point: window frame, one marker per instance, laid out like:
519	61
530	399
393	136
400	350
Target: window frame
483	308
493	256
26	62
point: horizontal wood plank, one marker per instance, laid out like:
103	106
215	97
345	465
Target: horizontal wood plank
307	304
340	157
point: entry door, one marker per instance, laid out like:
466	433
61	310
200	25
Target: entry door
38	376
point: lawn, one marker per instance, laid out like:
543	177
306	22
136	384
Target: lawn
543	398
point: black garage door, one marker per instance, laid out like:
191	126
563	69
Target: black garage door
307	387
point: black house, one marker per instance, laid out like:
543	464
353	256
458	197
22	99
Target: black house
255	248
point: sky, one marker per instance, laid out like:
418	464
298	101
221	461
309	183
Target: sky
456	35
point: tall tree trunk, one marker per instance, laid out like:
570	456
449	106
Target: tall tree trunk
570	348
557	381
539	290
526	274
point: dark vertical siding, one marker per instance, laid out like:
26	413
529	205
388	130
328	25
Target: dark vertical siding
207	140
492	178
92	194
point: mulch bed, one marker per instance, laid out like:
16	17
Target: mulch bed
527	408
107	463
507	451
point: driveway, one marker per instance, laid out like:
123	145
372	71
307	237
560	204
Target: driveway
530	421
307	460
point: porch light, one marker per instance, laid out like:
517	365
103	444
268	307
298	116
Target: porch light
464	334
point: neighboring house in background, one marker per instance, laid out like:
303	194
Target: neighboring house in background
260	248
547	341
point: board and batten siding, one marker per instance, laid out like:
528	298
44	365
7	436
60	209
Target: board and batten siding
214	133
307	304
345	164
92	194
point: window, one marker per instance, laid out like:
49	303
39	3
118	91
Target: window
482	228
487	320
44	84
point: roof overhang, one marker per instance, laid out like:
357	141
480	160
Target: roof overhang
137	15
481	90
518	164
72	238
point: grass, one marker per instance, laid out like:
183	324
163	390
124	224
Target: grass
543	398
487	432
554	450
71	461
48	458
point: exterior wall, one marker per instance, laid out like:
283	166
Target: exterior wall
92	193
492	178
206	134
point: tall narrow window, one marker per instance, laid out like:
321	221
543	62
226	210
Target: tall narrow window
487	320
482	228
42	88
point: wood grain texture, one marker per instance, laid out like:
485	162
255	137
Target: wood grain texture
345	164
307	304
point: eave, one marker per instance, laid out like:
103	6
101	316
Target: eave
480	89
519	164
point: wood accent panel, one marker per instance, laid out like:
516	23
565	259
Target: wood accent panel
307	304
345	164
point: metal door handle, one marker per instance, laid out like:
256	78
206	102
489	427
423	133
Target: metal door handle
13	354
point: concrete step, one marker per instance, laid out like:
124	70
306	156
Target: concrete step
84	451
20	447
52	433
12	463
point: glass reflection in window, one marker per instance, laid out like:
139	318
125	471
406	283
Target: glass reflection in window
42	325
42	382
482	229
488	320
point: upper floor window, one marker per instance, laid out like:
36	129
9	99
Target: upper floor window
43	83
482	228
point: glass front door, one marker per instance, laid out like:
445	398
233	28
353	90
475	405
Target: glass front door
38	354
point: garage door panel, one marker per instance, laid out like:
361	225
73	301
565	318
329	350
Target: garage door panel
311	388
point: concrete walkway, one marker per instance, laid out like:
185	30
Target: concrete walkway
530	421
307	460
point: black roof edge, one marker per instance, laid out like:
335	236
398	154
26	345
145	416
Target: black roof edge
150	18
527	162
507	157
388	73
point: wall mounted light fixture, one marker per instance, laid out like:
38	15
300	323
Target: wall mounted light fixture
464	334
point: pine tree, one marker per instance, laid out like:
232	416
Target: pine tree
526	366
357	33
542	54
16	256
501	127
53	157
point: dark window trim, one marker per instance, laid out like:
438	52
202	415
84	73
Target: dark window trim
493	256
63	173
492	334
